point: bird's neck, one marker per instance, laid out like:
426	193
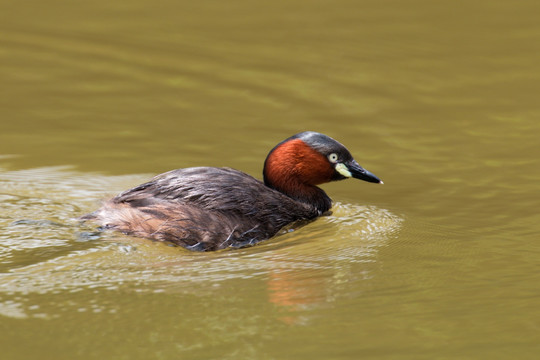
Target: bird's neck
310	195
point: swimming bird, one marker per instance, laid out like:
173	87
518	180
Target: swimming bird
211	208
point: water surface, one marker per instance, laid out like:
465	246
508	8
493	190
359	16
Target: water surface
440	100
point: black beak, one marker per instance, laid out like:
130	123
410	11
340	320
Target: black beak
359	172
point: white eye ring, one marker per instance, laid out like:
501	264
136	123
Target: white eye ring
333	158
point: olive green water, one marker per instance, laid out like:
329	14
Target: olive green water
439	99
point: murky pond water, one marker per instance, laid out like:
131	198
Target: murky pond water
438	99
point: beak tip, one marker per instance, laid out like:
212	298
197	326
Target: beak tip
356	171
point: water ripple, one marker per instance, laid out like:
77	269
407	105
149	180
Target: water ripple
42	252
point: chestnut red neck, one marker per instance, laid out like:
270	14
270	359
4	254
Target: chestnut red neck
294	168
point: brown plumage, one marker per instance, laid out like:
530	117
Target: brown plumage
207	208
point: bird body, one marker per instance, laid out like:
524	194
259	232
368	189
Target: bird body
209	208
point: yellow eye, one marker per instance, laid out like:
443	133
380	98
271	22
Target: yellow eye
333	158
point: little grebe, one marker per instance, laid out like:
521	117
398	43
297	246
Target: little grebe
208	208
